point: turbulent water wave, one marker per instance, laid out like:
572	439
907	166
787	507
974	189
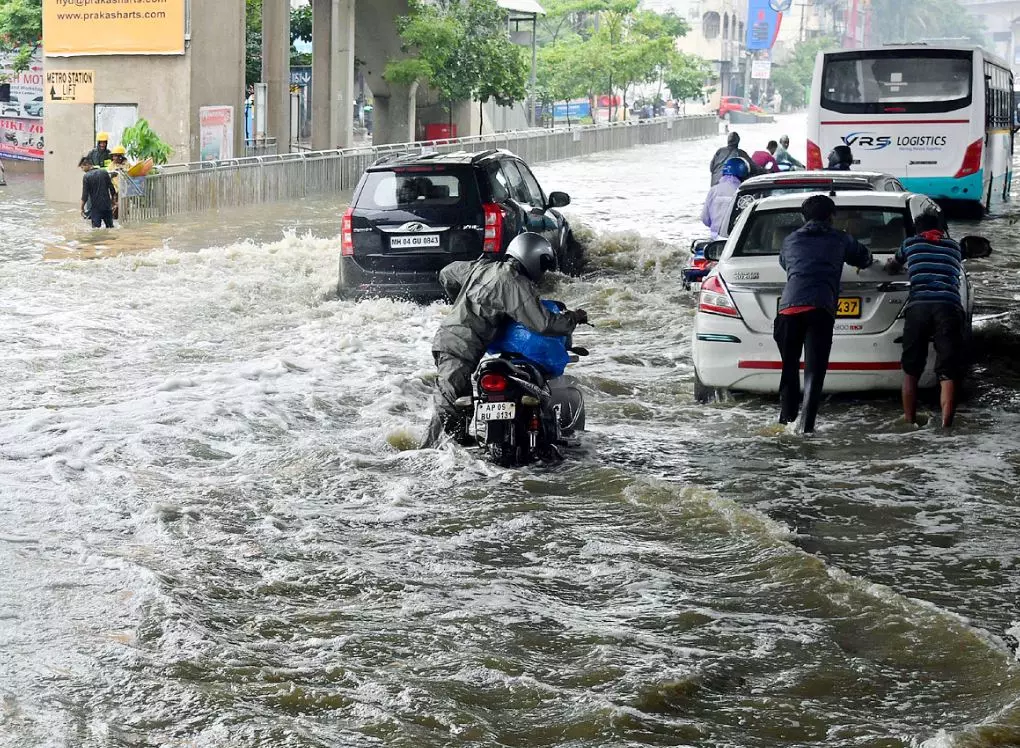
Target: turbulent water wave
215	532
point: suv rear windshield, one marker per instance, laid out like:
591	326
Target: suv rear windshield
417	187
880	230
895	81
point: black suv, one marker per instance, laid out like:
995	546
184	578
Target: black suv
414	214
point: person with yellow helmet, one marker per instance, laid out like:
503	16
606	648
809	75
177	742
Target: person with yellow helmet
118	165
100	154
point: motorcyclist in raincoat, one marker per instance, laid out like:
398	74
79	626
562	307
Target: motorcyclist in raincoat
720	197
486	294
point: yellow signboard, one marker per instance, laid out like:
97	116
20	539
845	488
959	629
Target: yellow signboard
113	27
70	87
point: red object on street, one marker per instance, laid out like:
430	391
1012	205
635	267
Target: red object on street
440	131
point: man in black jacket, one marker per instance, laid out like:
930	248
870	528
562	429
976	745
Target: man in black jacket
731	150
813	258
98	192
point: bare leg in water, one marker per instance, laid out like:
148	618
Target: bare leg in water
947	400
909	398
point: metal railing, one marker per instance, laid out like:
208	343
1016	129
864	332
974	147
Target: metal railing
187	188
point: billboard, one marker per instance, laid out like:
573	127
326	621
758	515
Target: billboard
113	27
21	122
763	21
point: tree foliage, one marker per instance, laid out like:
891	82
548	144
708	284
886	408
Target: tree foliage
461	50
21	30
929	20
601	46
793	78
685	75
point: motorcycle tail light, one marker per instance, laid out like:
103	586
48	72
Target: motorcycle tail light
492	383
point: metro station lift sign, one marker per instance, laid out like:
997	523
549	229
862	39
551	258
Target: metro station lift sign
70	87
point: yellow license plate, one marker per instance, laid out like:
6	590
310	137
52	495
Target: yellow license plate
849	307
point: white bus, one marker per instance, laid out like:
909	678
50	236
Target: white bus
940	118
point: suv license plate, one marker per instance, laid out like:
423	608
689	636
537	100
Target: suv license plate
497	411
414	241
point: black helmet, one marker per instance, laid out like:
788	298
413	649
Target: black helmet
841	158
533	253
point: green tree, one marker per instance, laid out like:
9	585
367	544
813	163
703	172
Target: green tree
793	78
685	75
462	51
21	30
924	20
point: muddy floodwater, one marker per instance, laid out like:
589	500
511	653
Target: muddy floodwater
214	532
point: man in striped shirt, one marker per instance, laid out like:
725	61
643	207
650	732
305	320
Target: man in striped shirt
934	311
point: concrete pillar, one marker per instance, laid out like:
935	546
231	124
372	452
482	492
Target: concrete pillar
276	69
332	73
342	72
392	116
322	84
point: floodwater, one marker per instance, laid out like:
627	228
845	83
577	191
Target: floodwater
213	531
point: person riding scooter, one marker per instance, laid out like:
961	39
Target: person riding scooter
486	294
720	197
841	158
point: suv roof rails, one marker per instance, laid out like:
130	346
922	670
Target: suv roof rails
482	155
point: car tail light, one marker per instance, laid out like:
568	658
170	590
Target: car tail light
715	299
494	218
814	155
492	383
971	159
347	234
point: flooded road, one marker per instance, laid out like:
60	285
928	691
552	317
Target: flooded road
213	533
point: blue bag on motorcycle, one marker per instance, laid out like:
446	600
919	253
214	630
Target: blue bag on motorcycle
548	353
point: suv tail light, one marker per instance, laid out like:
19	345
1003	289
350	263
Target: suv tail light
814	155
971	159
347	234
494	218
715	299
492	383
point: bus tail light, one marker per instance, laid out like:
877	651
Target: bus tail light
814	156
971	159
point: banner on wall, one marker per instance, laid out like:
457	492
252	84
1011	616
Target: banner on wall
763	22
216	124
21	118
113	27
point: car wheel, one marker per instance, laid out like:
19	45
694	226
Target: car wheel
572	259
702	392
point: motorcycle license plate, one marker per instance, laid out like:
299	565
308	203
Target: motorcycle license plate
496	411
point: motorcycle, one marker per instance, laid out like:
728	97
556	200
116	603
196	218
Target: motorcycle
523	409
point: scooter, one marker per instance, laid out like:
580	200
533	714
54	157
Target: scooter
697	267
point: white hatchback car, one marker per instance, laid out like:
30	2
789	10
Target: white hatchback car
733	347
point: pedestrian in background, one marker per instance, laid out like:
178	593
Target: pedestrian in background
813	257
100	154
98	193
934	312
732	149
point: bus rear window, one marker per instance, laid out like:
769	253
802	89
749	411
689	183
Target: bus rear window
898	81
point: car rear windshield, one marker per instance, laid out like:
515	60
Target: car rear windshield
745	199
895	81
414	188
880	229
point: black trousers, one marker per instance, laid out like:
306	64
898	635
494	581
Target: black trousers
810	334
101	217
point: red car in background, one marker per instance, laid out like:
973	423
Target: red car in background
729	104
